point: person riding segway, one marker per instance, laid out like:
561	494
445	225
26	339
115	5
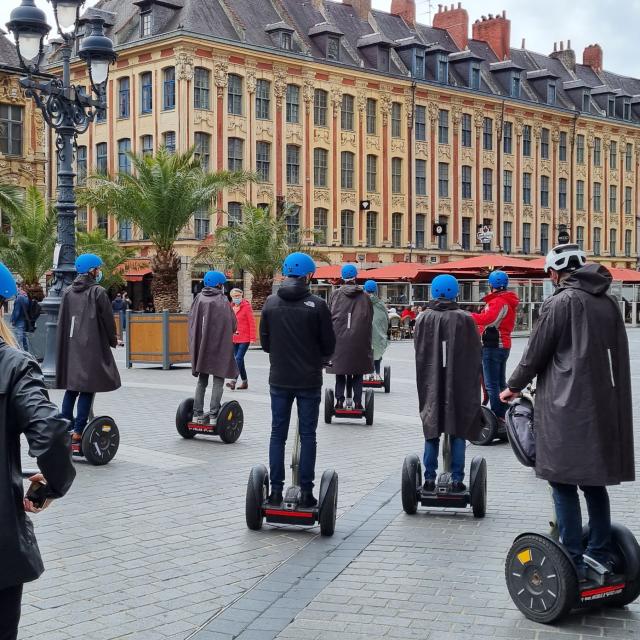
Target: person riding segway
583	422
379	340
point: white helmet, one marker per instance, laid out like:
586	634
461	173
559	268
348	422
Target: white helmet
559	257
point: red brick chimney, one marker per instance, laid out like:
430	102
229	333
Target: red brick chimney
496	32
405	9
455	21
592	57
361	7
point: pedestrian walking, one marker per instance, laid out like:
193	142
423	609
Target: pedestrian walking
117	306
380	326
20	319
244	335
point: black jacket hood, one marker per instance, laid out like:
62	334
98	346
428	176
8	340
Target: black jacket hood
293	289
351	290
442	304
592	278
211	291
83	282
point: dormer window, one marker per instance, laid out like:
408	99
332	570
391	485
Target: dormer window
443	69
611	107
145	24
474	81
626	109
383	59
418	66
286	41
333	48
586	101
515	85
551	93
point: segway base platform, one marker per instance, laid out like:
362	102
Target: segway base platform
366	412
382	383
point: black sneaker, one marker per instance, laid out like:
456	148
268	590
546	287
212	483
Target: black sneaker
358	406
339	404
429	485
307	501
275	498
458	487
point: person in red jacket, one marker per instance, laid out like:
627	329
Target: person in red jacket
495	323
245	334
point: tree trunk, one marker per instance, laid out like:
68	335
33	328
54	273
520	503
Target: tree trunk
260	291
164	287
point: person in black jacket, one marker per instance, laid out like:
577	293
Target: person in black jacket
24	409
297	333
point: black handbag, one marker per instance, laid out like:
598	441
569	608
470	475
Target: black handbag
520	431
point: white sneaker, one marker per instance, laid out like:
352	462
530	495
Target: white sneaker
201	419
213	420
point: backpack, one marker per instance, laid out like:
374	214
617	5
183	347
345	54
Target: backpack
33	313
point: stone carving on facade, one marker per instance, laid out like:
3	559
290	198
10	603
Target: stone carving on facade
294	195
265	193
597	218
555	135
509	163
581	171
467	155
597	173
536	131
202	117
385	107
508	211
220	74
434	111
422	204
456	115
279	84
348	139
373	143
11	91
519	126
478	120
348	198
321	134
294	133
527	211
321	195
397	144
488	209
528	165
563	217
628	221
545	214
374	199
251	77
613	217
238	191
398	201
545	167
444	151
563	170
184	63
410	105
264	130
444	205
467	207
488	157
581	218
336	99
613	175
590	138
422	149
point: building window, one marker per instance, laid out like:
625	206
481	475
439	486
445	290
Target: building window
81	219
396	175
626	109
443	68
551	93
286	41
372	107
580	195
628	157
526	238
443	179
234	214
562	148
466	234
611	107
347	165
102	221
544	191
443	127
627	243
263	100
487	185
372	173
81	165
508	185
612	242
627	200
333	48
235	154
544	238
475	78
421	177
596	241
201	222
293	164
506	237
234	94
124	94
466	182
597	152
613	155
580	148
263	161
507	137
421	123
146	88
580	237
320	216
372	228
346	228
586	101
544	144
418	65
147	145
526	141
597	197
420	227
562	193
466	130
320	108
487	134
515	85
320	167
202	143
124	160
396	229
346	113
145	24
169	88
169	141
293	104
201	88
396	120
613	198
293	225
526	188
125	230
102	159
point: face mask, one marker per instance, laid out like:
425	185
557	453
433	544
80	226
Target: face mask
99	276
236	300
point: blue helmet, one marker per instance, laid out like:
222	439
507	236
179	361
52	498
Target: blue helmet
87	261
444	286
298	265
371	286
349	272
214	278
498	279
8	287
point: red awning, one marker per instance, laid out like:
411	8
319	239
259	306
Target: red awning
328	272
485	263
394	272
136	275
625	275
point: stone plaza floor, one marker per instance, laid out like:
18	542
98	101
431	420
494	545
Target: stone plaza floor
154	545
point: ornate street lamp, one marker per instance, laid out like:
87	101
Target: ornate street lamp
69	112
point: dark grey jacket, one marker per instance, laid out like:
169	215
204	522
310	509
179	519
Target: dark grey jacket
25	409
583	415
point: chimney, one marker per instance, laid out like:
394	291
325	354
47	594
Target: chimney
496	32
592	57
406	9
455	21
565	55
361	7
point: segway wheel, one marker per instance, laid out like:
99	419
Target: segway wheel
329	403
257	493
100	440
478	486
387	379
411	480
184	415
489	427
328	502
230	421
368	407
541	579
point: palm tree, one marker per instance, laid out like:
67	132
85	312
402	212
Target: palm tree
29	249
160	196
11	198
258	246
113	254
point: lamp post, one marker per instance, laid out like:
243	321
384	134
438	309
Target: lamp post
68	111
411	246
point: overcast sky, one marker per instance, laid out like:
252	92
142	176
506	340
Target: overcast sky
611	23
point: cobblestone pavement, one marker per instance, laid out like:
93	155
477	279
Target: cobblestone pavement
154	545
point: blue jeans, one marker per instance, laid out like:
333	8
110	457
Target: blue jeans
239	352
20	331
430	459
569	516
308	401
85	400
494	369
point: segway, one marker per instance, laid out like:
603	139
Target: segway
414	494
100	440
541	577
228	424
492	428
349	411
258	508
371	382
